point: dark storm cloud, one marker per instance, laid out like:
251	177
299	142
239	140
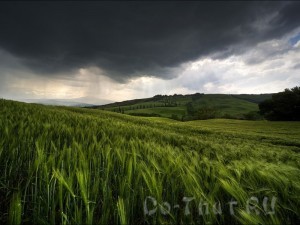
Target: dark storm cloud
130	39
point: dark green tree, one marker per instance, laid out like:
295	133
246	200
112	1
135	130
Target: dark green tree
283	105
190	109
196	96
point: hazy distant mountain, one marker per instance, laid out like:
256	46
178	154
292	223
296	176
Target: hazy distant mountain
79	102
92	100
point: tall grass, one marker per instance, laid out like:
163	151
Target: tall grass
77	166
15	209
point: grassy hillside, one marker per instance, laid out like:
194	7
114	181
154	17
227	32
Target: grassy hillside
226	104
175	106
65	165
253	98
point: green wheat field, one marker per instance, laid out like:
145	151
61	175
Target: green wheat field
63	165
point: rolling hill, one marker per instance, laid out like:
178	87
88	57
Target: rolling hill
176	106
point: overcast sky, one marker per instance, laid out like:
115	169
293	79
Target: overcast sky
123	50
